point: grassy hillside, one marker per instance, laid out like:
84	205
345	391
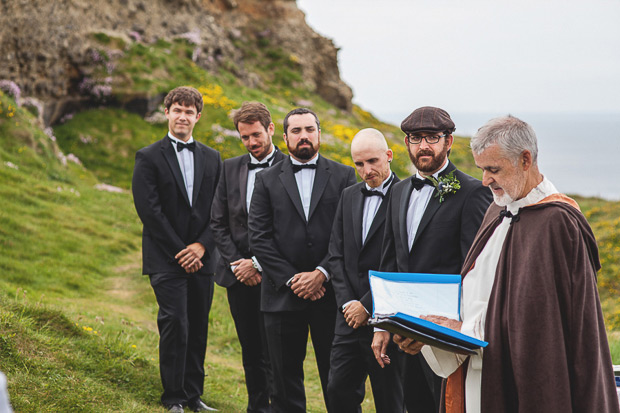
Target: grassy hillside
77	320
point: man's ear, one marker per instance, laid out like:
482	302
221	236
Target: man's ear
525	160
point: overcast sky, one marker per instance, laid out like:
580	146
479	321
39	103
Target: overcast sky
490	56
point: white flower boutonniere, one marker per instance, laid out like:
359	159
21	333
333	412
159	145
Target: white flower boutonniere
447	184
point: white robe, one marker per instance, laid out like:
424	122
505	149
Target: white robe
475	299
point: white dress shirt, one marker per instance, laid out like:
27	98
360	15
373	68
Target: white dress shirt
186	163
372	205
305	182
252	175
475	296
417	205
250	190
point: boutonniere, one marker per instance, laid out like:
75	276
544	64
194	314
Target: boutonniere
447	184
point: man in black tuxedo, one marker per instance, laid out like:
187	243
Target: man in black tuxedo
238	269
355	248
291	215
430	225
173	185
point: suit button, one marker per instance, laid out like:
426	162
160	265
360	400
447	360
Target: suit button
309	245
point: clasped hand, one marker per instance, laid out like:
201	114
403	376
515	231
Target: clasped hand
246	273
189	257
356	315
309	285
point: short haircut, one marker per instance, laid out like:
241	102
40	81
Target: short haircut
251	112
185	96
300	111
511	134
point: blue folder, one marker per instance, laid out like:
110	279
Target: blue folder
420	329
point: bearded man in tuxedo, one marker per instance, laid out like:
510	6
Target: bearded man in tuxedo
238	270
291	215
430	225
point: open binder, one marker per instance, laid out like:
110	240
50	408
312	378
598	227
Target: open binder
400	298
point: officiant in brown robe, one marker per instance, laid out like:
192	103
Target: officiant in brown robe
529	289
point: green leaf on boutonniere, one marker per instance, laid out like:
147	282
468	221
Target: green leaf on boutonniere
445	185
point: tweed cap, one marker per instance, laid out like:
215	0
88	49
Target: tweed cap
427	119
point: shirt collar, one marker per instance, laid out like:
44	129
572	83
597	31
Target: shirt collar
385	185
310	162
436	174
537	194
267	158
176	140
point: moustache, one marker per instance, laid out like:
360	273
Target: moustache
304	142
425	153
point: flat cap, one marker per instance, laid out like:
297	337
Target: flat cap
427	119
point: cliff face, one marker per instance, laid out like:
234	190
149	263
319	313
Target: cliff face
45	45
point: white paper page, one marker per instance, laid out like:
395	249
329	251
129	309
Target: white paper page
414	298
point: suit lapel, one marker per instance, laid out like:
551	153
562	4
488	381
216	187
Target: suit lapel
433	205
200	163
287	177
243	181
320	182
431	208
402	213
357	218
379	219
168	152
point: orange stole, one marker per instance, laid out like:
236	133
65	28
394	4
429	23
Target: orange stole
454	396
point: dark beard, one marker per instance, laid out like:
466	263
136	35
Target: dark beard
305	153
435	164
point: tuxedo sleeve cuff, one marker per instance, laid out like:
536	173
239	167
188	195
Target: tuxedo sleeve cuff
324	271
257	265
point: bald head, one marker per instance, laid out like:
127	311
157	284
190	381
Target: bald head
371	156
369	137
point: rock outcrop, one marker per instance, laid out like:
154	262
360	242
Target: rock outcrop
45	45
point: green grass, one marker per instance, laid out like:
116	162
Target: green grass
77	320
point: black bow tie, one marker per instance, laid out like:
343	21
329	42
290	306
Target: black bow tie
252	166
190	146
297	168
368	192
418	183
514	217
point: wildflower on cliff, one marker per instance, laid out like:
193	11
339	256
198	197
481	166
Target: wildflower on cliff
11	88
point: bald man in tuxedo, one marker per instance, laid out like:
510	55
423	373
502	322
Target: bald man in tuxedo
355	248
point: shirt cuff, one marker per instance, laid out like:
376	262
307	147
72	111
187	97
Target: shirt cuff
290	280
257	265
324	271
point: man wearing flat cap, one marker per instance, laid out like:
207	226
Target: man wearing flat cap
431	222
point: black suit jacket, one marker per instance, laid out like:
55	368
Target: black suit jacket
229	216
349	259
446	230
284	242
161	200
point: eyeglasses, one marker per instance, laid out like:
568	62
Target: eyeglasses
416	140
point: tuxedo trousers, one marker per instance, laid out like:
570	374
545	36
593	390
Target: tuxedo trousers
183	320
244	303
422	386
352	361
287	339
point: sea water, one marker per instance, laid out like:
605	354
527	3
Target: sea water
578	152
